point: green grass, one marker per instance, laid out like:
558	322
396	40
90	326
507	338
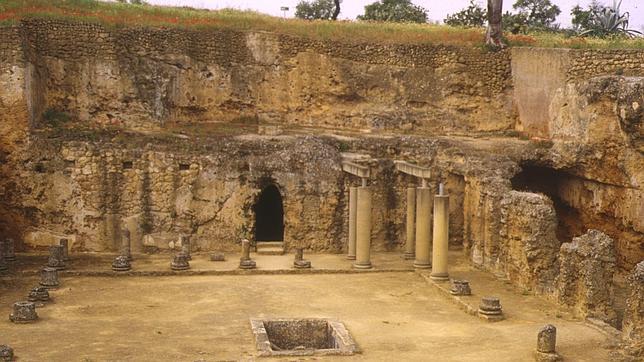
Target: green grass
117	14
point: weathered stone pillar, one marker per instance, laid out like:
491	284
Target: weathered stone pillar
353	207
410	244
423	228
180	262
245	262
546	344
363	229
490	309
299	262
440	242
186	247
3	261
56	257
460	287
38	294
23	312
10	250
126	245
65	244
49	278
121	263
6	353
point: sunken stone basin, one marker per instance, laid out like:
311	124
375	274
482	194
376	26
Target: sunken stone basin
302	337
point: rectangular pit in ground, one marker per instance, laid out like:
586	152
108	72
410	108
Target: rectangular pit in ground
301	337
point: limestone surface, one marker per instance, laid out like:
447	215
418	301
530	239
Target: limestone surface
585	280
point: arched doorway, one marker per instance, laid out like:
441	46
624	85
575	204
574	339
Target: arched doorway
269	215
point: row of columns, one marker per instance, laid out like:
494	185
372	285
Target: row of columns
427	251
419	246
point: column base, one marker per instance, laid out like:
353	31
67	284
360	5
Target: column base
351	257
362	266
409	256
442	277
422	265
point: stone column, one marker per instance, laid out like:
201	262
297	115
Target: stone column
410	244
64	242
245	262
423	228
10	250
3	261
353	207
56	257
546	344
440	243
363	229
49	278
126	245
23	312
186	247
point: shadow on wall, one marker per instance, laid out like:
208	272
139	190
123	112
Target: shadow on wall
550	182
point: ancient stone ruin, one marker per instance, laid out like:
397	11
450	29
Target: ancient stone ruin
446	170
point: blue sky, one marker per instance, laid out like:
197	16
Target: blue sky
438	9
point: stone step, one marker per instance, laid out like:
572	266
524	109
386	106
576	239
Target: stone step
270	248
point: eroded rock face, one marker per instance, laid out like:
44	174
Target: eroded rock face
530	244
585	280
633	325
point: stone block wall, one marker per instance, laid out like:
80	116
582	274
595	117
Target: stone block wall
585	64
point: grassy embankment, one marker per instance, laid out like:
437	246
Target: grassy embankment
117	14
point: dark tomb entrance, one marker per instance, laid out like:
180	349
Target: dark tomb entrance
269	215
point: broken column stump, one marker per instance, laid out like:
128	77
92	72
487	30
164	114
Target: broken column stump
299	262
6	353
217	257
245	262
23	312
180	262
460	287
121	263
65	244
56	255
38	295
490	309
3	261
186	247
49	278
10	250
546	344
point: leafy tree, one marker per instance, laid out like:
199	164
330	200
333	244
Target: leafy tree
538	13
515	23
472	16
609	21
318	9
394	11
494	33
581	19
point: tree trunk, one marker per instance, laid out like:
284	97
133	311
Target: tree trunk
336	11
494	17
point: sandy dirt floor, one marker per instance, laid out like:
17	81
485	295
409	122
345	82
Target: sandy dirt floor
393	316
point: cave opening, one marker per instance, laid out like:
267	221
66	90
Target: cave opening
552	183
269	215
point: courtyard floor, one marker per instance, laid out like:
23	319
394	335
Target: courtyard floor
394	314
